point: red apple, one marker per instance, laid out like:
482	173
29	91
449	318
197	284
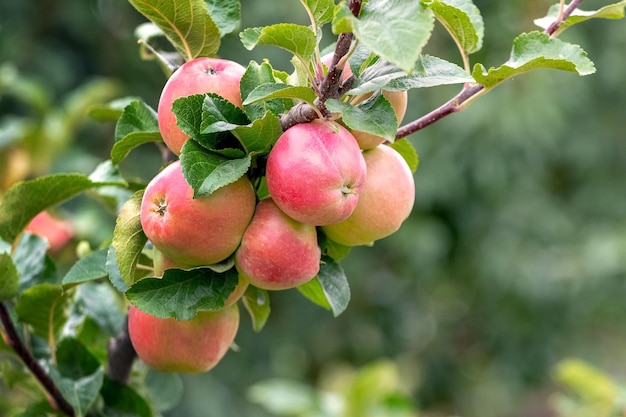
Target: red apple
163	263
56	231
277	252
315	172
385	201
195	345
397	99
200	231
198	76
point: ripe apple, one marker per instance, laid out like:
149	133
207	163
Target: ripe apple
385	201
163	263
56	231
277	252
195	345
397	99
315	172
198	76
200	231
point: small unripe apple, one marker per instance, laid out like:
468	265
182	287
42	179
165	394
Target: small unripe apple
385	201
315	172
162	263
277	252
397	99
200	231
198	76
195	345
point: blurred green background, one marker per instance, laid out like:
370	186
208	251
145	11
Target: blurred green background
513	260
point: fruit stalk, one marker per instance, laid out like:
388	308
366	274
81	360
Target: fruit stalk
13	340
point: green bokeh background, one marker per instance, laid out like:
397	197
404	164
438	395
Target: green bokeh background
514	257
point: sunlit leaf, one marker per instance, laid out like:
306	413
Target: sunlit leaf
405	148
91	267
226	14
257	302
611	11
462	20
9	280
375	116
297	39
129	238
45	308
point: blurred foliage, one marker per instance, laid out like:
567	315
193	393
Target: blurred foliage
513	259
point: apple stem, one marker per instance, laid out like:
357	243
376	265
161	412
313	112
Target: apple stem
12	339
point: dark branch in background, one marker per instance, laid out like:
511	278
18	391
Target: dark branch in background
121	355
455	104
13	340
331	84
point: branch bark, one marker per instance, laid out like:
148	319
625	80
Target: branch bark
121	355
13	340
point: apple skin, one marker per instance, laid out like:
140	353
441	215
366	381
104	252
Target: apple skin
56	231
315	172
397	99
163	263
198	76
385	201
195	232
277	252
193	346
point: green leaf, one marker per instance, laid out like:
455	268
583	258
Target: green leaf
24	200
314	292
261	135
180	294
257	74
102	303
73	360
31	261
226	14
188	111
113	271
186	23
91	267
321	10
136	117
206	171
45	308
9	279
405	148
335	285
462	20
274	90
297	39
80	393
375	116
120	400
123	147
257	302
611	11
165	389
129	238
332	249
220	115
396	30
431	71
533	51
284	397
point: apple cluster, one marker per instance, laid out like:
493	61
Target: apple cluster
322	180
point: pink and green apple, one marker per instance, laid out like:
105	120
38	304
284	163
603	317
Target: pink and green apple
315	172
198	76
385	201
200	231
194	346
277	252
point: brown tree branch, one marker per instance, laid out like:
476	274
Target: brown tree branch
13	340
469	91
121	355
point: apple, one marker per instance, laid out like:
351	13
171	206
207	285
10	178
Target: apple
198	76
56	231
385	201
315	172
163	263
194	346
277	252
397	99
200	231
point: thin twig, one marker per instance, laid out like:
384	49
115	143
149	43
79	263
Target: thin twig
13	340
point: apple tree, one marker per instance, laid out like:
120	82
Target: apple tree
269	179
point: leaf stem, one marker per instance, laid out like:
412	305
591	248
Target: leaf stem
13	340
470	92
